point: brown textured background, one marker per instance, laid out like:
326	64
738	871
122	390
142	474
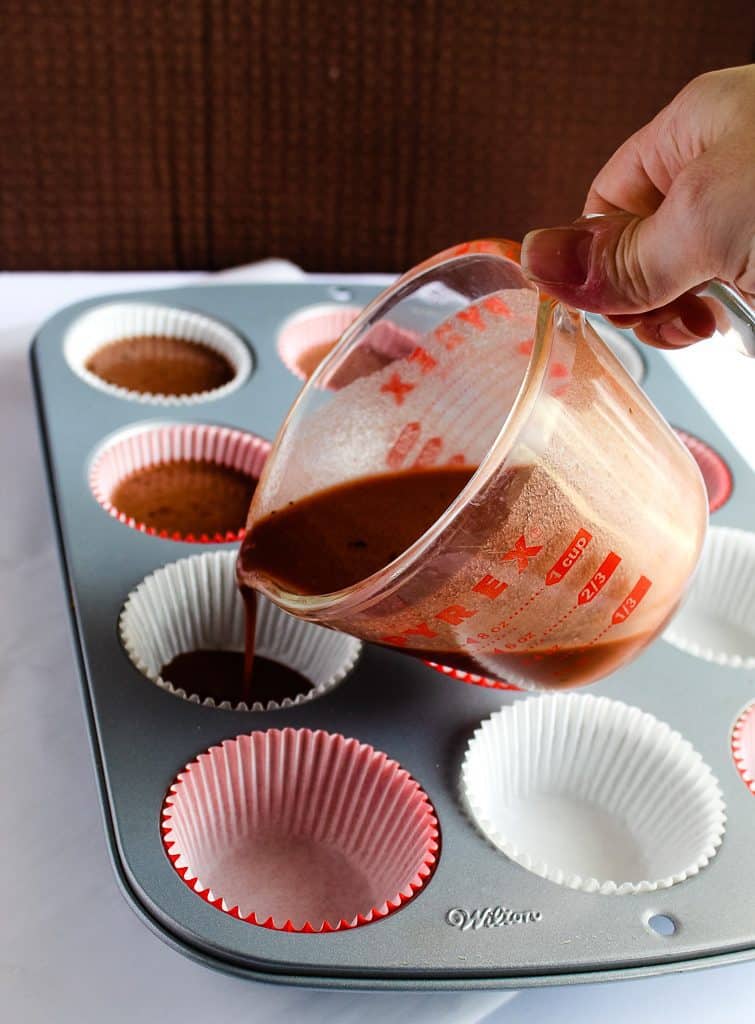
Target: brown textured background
349	136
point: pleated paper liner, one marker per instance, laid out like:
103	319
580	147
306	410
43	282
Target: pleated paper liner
300	831
308	336
717	620
592	794
471	677
137	449
743	746
121	321
194	604
716	474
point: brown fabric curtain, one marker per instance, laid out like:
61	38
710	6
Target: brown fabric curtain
351	136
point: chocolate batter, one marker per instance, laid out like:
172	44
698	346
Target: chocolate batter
186	497
154	364
220	675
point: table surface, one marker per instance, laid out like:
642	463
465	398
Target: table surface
70	948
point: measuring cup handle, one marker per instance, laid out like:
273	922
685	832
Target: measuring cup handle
740	314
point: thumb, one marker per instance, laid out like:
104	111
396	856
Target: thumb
621	264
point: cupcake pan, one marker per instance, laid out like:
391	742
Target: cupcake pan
481	919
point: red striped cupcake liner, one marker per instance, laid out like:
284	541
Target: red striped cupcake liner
138	448
715	472
470	677
300	831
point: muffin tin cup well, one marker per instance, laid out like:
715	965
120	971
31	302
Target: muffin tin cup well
194	604
592	794
743	746
306	337
300	830
140	447
118	321
715	473
717	620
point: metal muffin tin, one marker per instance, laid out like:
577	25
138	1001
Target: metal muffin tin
142	737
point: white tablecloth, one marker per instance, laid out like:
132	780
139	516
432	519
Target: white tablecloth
70	949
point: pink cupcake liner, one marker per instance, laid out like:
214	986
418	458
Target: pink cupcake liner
319	325
716	474
149	446
300	831
743	746
310	328
470	677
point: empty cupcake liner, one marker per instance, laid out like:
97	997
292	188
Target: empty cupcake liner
310	329
715	473
139	447
592	794
300	831
470	677
743	746
717	620
194	604
117	321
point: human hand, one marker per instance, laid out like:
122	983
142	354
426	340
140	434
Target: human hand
679	205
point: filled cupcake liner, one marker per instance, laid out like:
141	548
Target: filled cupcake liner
300	830
592	794
717	620
715	473
194	604
140	447
471	677
118	321
310	328
743	746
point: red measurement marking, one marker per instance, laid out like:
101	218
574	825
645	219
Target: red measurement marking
495	305
397	387
631	601
521	554
430	452
423	358
524	348
490	587
449	336
559	371
570	556
401	639
457	460
403	444
600	577
473	317
455	614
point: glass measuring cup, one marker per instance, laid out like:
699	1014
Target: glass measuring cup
580	516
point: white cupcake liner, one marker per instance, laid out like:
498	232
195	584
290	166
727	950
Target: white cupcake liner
715	473
743	746
300	831
117	321
138	447
194	604
717	620
592	794
311	327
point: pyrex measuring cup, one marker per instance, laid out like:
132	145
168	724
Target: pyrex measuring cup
570	546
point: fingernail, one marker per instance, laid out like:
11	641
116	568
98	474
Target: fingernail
676	333
557	255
